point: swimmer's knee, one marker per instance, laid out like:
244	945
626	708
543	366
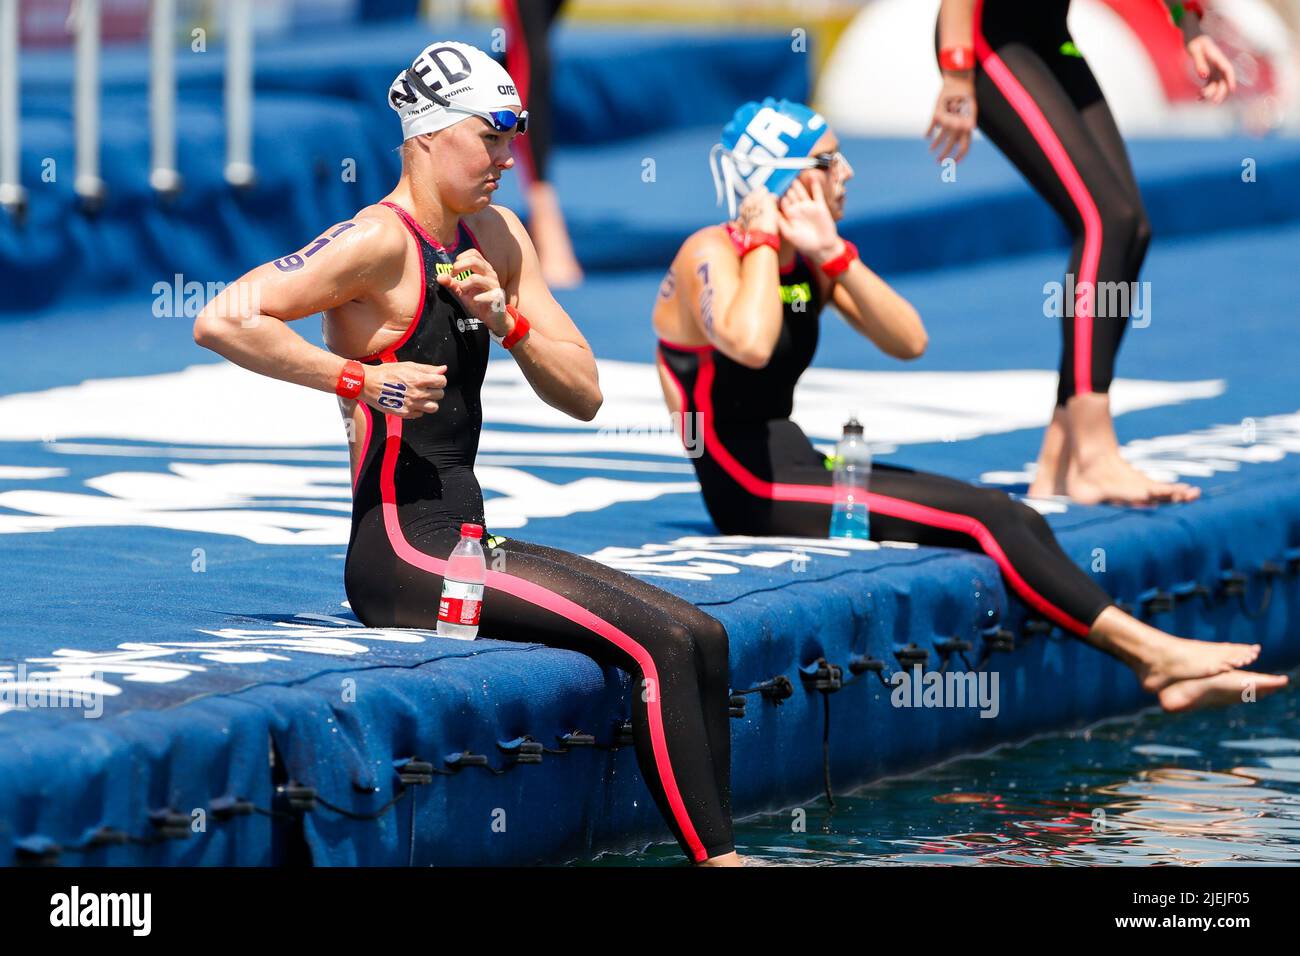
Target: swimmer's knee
1121	222
1141	236
1030	516
674	641
994	505
711	639
1022	519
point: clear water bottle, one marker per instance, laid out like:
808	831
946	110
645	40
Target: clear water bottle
462	586
850	517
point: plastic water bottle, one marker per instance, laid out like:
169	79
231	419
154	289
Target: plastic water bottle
850	517
462	586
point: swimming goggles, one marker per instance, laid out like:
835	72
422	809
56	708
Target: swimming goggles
729	170
502	121
826	160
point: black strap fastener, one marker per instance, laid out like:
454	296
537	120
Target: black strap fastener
950	646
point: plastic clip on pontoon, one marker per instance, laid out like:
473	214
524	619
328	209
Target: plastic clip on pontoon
522	749
1156	601
822	675
997	640
860	664
415	772
950	646
298	797
577	738
466	759
912	654
224	808
170	824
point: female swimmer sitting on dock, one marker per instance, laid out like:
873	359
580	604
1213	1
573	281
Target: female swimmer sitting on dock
415	288
737	321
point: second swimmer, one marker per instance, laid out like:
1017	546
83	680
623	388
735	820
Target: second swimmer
737	318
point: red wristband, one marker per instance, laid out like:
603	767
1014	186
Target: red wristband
755	240
833	268
519	331
958	59
351	380
1194	6
747	242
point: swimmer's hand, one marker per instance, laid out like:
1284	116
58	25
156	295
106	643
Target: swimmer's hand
757	212
1212	66
404	389
953	122
807	224
481	293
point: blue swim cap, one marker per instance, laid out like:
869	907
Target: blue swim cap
763	145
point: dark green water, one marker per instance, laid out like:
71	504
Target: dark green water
1219	787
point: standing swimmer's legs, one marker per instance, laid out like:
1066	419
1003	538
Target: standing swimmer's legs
528	59
1030	104
1101	124
1054	457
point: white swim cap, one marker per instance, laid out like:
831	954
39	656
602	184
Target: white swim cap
461	73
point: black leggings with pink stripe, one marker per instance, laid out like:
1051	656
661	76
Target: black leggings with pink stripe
770	480
528	60
1041	106
676	653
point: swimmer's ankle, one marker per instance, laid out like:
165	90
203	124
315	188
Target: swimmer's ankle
725	859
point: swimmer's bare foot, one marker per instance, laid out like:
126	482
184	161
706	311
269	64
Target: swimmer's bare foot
1045	488
1110	479
727	859
1160	660
1221	690
1176	490
1097	472
1176	659
1053	459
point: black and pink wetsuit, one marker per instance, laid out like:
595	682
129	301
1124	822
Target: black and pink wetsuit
415	486
528	61
1040	104
760	475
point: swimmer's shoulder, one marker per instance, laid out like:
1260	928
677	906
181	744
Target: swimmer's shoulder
501	237
371	246
498	232
373	241
709	243
380	232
